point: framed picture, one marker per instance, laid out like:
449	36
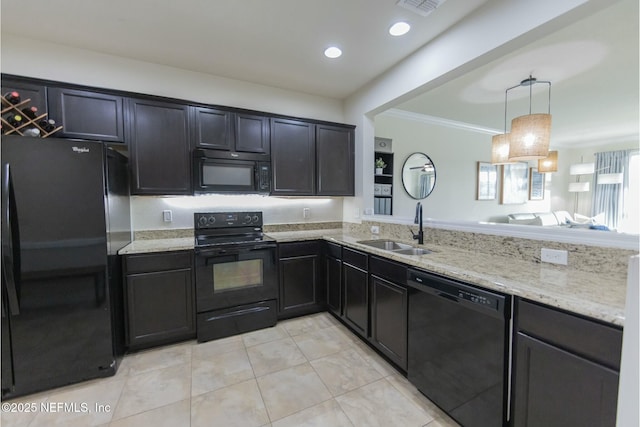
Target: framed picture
487	181
536	186
515	183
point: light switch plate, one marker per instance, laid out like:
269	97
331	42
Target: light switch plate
553	256
167	216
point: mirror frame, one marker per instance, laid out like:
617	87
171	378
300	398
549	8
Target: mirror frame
404	184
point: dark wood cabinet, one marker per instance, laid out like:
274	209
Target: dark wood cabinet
212	128
356	295
86	114
293	157
158	135
160	298
37	93
566	369
335	161
219	129
389	309
252	133
333	277
301	291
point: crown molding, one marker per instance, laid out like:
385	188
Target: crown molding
433	120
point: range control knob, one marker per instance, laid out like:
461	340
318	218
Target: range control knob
255	219
247	220
202	221
211	220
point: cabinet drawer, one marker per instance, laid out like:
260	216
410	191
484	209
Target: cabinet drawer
355	258
157	262
588	338
288	250
334	250
388	269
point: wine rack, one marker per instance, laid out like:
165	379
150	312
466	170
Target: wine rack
9	129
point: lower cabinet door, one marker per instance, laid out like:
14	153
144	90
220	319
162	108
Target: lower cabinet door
159	307
299	285
333	275
356	299
557	388
389	319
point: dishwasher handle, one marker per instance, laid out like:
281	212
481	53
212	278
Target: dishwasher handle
478	299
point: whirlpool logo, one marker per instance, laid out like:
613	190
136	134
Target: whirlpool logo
80	149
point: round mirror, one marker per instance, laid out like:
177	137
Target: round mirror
418	175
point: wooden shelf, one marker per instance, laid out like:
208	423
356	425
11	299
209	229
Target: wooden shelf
9	129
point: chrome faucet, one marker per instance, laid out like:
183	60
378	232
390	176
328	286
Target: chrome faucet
418	220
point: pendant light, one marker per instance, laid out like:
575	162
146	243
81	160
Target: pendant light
549	163
530	134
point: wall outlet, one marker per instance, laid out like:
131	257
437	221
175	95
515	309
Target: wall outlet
375	229
167	216
305	213
553	256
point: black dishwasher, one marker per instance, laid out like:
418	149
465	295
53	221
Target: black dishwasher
458	344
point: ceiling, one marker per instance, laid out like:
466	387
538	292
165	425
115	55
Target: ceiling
593	64
277	43
593	69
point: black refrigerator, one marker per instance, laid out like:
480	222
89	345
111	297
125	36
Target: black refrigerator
65	214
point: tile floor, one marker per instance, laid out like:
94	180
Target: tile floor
309	371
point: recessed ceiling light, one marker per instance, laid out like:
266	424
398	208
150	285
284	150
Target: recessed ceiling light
332	52
399	29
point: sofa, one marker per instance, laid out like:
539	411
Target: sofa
541	218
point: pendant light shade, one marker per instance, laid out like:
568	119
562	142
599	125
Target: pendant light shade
529	137
549	163
500	149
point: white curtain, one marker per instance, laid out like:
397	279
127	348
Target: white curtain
608	199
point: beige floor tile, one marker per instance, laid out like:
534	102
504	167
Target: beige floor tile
326	414
212	348
291	390
344	371
264	335
303	325
239	405
92	404
172	415
444	421
219	371
375	360
274	356
158	358
154	389
22	410
381	404
322	342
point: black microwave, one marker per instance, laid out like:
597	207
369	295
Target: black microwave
217	171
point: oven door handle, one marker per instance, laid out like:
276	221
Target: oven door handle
209	252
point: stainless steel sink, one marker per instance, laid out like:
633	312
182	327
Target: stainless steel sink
412	251
387	245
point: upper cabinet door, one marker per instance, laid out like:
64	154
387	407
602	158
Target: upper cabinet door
212	128
252	133
335	160
159	147
87	115
35	92
292	157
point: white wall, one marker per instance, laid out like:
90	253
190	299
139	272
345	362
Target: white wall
146	212
31	58
455	153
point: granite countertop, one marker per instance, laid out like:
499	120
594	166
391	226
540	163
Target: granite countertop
596	296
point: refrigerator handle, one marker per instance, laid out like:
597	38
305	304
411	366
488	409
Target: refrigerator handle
7	242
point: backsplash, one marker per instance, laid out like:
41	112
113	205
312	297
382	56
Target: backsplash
588	258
